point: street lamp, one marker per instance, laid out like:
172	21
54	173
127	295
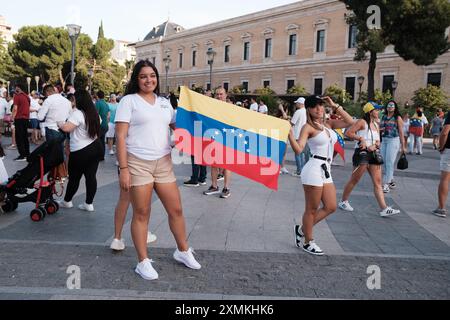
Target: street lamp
394	88
167	62
360	82
7	84
36	78
74	32
211	54
90	76
28	82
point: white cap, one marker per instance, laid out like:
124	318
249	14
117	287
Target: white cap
300	100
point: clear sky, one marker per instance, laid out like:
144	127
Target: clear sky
129	20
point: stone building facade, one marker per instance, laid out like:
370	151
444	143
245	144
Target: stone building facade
306	43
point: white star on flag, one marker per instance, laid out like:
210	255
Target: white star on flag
241	135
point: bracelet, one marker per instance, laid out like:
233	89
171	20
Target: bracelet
339	107
123	168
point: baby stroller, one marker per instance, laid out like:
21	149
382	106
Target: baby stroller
29	184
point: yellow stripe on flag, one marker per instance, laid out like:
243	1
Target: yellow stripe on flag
234	116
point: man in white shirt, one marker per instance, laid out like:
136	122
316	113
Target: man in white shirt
254	105
3	90
4	105
262	107
55	109
298	121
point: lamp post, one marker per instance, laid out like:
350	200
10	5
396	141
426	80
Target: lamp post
211	54
74	32
36	78
394	88
167	62
28	82
90	75
7	84
360	82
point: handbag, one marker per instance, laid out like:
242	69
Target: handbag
377	157
402	162
376	154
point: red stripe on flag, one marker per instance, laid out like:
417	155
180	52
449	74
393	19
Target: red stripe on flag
211	153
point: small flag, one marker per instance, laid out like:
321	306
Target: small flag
340	144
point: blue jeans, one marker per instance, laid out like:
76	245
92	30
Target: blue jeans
302	159
389	151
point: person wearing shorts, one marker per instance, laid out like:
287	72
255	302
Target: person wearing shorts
444	148
319	134
367	133
143	121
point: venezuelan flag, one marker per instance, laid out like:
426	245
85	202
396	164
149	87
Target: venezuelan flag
416	126
225	136
340	144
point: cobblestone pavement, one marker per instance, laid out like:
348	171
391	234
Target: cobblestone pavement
245	244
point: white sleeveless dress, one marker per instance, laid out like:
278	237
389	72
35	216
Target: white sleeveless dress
321	145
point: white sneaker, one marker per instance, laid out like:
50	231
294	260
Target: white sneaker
389	212
386	188
313	248
345	205
151	237
66	205
118	245
111	152
187	258
86	207
146	271
284	170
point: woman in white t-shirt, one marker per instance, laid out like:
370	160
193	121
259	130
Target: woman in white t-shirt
85	150
143	121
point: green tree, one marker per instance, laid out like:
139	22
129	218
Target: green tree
237	89
6	62
430	98
381	97
265	91
338	94
298	90
416	29
101	32
46	52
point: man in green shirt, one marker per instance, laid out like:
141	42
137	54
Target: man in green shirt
103	110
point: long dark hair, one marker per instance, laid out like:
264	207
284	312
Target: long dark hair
133	84
84	104
396	112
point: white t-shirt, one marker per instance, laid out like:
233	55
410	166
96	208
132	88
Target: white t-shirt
79	138
263	109
4	105
36	106
2	92
299	120
55	109
254	107
424	120
148	133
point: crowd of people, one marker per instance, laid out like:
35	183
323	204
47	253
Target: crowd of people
137	127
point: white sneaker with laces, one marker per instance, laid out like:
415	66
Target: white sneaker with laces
284	171
389	212
118	245
86	207
345	205
187	258
66	205
111	152
146	270
386	188
151	237
313	248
